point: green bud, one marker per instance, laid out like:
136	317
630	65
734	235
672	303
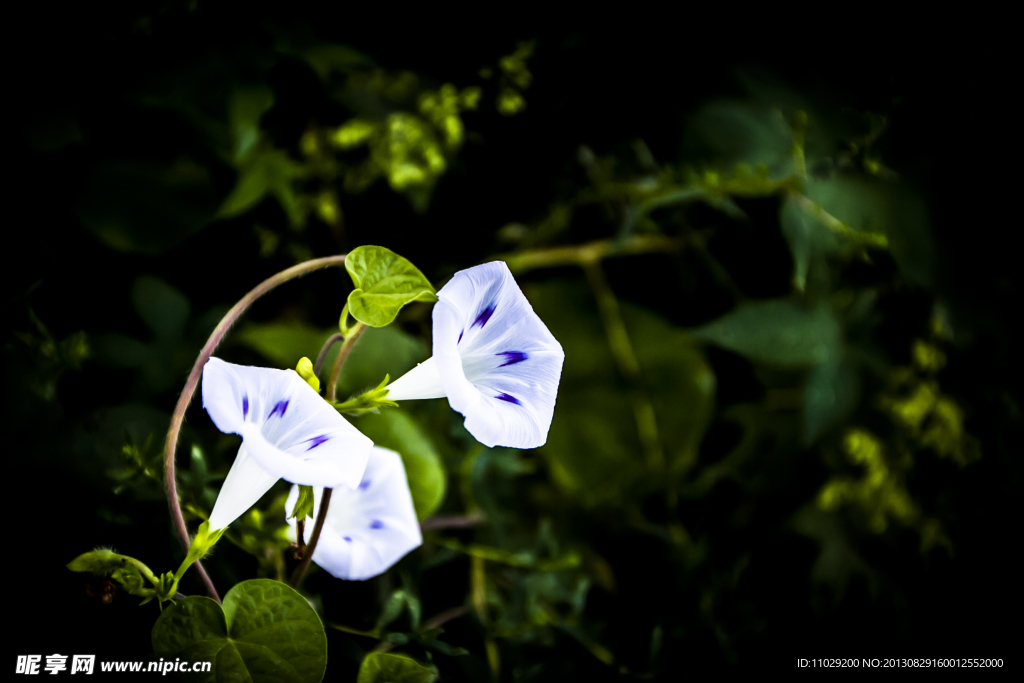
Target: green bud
202	544
126	571
305	370
104	562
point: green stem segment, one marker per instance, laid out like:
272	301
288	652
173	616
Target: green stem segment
629	367
314	538
170	446
351	337
331	341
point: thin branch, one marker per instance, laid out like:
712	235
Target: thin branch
629	367
812	208
578	255
346	348
170	446
331	341
453	521
307	556
442	618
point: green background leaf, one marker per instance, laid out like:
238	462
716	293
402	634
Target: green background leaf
266	633
870	205
381	667
776	331
593	447
423	468
145	206
283	344
830	394
726	133
379	351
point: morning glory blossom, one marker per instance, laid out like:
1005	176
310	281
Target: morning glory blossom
367	529
494	359
288	432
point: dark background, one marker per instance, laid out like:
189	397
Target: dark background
599	83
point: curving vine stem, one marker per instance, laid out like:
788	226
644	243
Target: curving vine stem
189	391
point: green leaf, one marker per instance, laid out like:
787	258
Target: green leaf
809	241
163	308
777	331
873	206
265	170
383	667
829	395
265	633
304	505
384	283
392	608
380	351
838	560
423	467
727	133
283	344
246	107
593	449
142	206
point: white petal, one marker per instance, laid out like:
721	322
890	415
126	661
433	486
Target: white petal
245	484
499	364
287	428
369	529
423	381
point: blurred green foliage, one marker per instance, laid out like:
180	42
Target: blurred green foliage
762	407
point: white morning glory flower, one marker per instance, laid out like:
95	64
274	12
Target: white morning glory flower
369	529
288	432
493	358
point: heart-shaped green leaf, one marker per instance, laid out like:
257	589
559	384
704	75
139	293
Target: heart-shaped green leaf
384	283
266	632
380	667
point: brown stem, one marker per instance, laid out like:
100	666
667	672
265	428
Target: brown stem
346	348
575	255
331	341
170	446
453	521
307	556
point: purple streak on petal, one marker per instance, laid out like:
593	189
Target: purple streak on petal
376	524
510	399
484	316
364	484
460	337
279	407
347	538
245	406
512	357
317	440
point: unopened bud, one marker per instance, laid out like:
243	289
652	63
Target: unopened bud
305	370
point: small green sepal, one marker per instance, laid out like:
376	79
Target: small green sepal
304	505
368	402
202	544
